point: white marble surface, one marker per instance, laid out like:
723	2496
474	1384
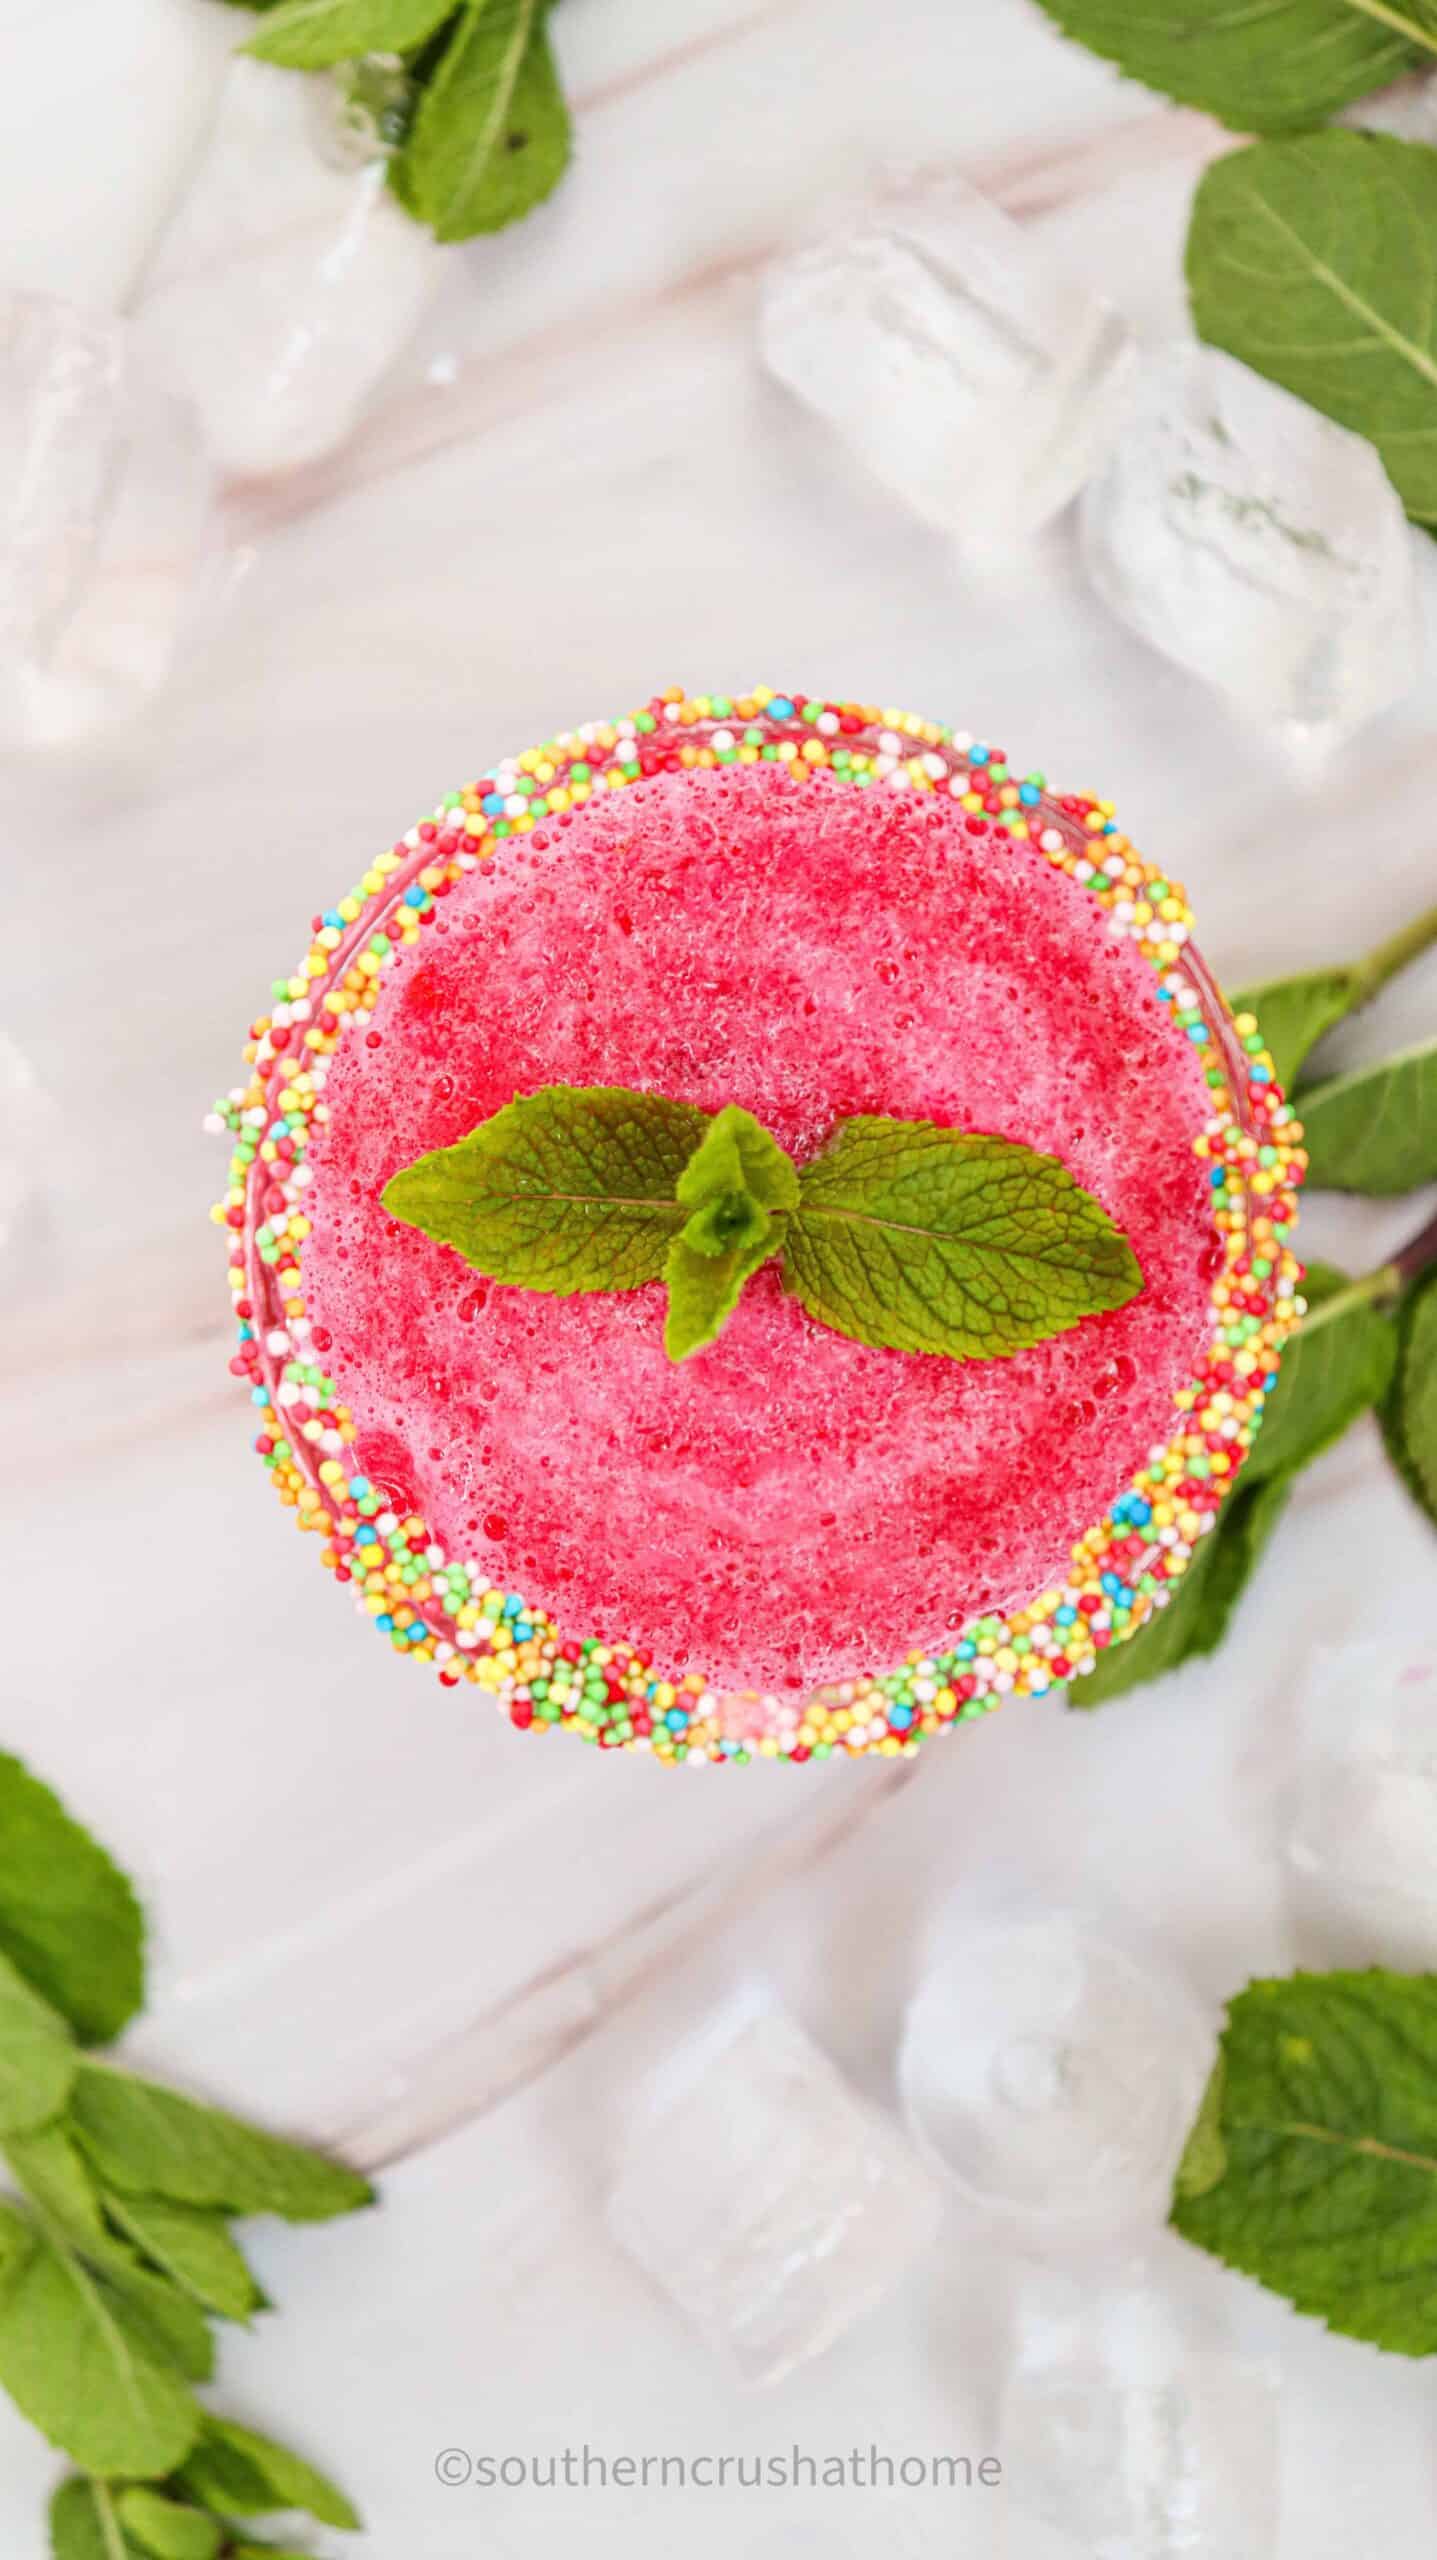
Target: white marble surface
380	1917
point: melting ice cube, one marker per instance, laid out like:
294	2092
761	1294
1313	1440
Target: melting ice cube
932	333
1258	544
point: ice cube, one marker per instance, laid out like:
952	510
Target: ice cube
1054	2072
975	379
104	523
1181	2468
1258	544
288	279
765	2196
1131	2429
1362	1835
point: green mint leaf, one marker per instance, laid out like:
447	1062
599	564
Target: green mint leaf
68	1918
38	2060
705	1288
309	34
193	2250
490	137
570	1189
1273	66
1327	2119
1293	1014
165	2531
238	2473
82	2366
1336	1366
1409	1411
78	2530
17	2244
52	2173
54	2176
146	2140
1315	261
737	1187
1374	1129
916	1238
1197	1617
736	1156
1204	2158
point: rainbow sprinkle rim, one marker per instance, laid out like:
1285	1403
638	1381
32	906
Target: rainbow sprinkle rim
436	1609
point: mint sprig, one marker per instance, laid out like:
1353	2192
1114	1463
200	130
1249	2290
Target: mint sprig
900	1234
115	2245
1312	2164
306	35
1315	261
69	1920
917	1238
490	136
1310	255
738	1187
564	1190
1274	66
1374	1128
485	135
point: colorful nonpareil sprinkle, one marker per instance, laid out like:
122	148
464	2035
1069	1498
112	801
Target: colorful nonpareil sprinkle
440	1609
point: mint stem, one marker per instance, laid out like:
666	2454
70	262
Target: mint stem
1384	1285
1387	958
110	2533
1400	23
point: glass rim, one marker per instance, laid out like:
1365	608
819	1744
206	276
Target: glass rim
1024	1650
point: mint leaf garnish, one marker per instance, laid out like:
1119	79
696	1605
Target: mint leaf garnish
37	2056
146	2140
1275	66
571	1189
1315	261
705	1288
490	137
69	1920
916	1238
1317	2171
308	34
900	1234
737	1187
736	1170
236	2472
164	2531
84	2367
1409	1412
1374	1129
